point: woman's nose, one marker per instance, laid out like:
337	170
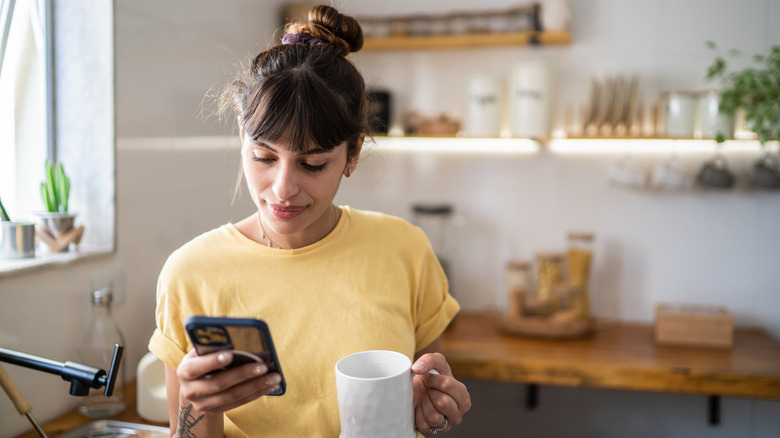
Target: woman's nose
285	185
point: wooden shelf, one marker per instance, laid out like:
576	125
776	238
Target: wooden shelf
465	40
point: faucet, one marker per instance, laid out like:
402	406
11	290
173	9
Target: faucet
81	377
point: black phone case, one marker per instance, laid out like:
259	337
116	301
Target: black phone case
242	335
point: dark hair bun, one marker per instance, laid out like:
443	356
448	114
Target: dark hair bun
327	24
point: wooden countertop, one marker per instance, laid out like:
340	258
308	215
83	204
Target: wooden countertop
72	419
616	355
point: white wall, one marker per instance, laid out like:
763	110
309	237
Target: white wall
699	247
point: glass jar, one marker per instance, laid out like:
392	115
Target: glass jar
518	283
549	273
97	350
578	259
438	223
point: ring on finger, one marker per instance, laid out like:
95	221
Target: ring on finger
435	430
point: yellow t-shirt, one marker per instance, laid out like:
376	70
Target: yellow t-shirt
372	283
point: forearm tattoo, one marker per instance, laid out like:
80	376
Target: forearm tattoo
187	422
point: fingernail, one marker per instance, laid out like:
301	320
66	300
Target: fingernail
418	367
274	380
225	357
260	369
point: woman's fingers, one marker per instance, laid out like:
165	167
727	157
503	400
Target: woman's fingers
210	387
449	396
238	395
438	396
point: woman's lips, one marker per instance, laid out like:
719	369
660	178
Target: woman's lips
286	212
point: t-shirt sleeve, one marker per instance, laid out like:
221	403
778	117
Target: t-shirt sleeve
435	306
169	341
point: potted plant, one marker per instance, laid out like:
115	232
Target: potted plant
17	239
756	90
57	221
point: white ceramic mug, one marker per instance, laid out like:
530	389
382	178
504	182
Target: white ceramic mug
375	395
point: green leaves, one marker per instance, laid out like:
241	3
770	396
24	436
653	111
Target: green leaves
3	214
55	191
756	89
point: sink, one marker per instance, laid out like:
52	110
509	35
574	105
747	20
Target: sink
112	429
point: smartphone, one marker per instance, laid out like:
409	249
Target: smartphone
249	339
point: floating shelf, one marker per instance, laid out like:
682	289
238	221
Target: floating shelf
466	40
567	145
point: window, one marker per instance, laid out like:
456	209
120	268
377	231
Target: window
22	102
58	52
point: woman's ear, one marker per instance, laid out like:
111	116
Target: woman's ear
240	129
352	160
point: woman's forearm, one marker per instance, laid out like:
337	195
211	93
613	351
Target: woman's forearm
192	424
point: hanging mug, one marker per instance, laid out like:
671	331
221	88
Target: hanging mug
765	173
670	175
715	174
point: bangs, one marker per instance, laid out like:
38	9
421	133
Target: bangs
299	109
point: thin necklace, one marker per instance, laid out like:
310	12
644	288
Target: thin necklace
272	244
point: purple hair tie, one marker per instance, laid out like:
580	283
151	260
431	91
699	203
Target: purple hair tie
301	38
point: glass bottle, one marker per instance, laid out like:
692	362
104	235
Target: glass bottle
97	351
578	259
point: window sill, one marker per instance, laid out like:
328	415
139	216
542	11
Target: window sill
10	267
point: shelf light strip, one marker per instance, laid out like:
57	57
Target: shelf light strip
458	145
651	146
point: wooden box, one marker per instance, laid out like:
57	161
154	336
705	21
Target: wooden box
693	325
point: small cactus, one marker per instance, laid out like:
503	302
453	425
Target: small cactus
55	191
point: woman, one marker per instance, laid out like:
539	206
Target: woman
328	280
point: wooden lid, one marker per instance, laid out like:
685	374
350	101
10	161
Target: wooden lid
580	235
517	264
549	255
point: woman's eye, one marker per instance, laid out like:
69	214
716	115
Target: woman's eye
261	159
313	167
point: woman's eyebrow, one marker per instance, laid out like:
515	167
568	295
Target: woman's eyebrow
315	151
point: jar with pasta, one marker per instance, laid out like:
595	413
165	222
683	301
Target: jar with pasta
549	273
578	259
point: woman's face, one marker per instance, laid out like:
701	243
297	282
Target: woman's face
294	191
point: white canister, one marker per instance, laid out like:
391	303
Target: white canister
152	399
711	121
555	15
483	106
530	99
679	114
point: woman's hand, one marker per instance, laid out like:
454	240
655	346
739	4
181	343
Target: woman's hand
200	391
224	389
439	399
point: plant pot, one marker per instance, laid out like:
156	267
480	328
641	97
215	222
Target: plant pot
17	240
57	224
